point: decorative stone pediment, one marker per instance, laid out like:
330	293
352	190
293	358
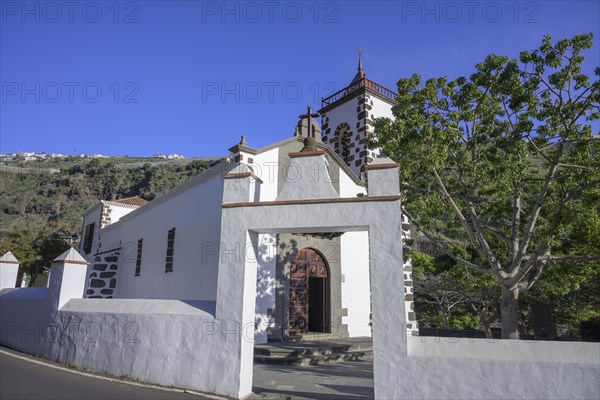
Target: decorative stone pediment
307	177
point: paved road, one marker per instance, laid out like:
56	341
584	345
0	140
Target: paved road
21	379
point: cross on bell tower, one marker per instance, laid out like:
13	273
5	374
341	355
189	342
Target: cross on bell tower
360	50
348	118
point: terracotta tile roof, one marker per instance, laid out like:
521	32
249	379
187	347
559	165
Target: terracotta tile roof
132	201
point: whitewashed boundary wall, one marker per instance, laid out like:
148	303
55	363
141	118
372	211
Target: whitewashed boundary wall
168	342
453	368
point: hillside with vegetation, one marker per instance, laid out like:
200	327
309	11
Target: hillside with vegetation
41	212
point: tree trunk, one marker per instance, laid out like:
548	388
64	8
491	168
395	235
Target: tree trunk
33	277
485	324
488	331
446	324
509	313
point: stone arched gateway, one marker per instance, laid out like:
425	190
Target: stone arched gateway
309	309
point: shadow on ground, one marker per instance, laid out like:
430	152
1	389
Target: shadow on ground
348	380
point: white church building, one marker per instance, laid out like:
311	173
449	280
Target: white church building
299	240
309	284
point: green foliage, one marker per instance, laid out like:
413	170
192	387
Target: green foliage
422	263
452	296
129	378
503	165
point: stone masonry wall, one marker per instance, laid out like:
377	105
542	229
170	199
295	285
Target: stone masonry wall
103	276
411	319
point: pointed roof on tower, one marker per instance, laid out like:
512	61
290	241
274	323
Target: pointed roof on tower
361	73
360	84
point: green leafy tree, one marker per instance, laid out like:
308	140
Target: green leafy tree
34	250
452	295
441	291
503	163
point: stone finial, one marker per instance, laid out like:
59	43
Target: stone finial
242	146
310	144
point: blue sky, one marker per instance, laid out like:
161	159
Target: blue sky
143	77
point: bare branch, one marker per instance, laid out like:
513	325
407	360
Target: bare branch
535	212
549	257
498	234
575	166
459	214
516	222
533	276
444	247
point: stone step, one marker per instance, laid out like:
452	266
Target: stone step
299	350
312	356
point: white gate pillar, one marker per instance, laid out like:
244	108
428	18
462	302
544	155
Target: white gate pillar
9	269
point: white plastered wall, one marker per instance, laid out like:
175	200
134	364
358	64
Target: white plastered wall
347	186
265	166
215	354
356	285
196	214
9	269
167	342
381	109
118	211
265	285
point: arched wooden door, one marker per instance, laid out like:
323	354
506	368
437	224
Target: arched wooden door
309	294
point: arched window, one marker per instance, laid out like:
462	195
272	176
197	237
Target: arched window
342	141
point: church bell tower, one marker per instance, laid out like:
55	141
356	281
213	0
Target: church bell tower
348	117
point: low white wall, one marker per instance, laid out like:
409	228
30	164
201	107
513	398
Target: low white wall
167	342
486	369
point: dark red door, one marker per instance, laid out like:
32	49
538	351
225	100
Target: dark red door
309	303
